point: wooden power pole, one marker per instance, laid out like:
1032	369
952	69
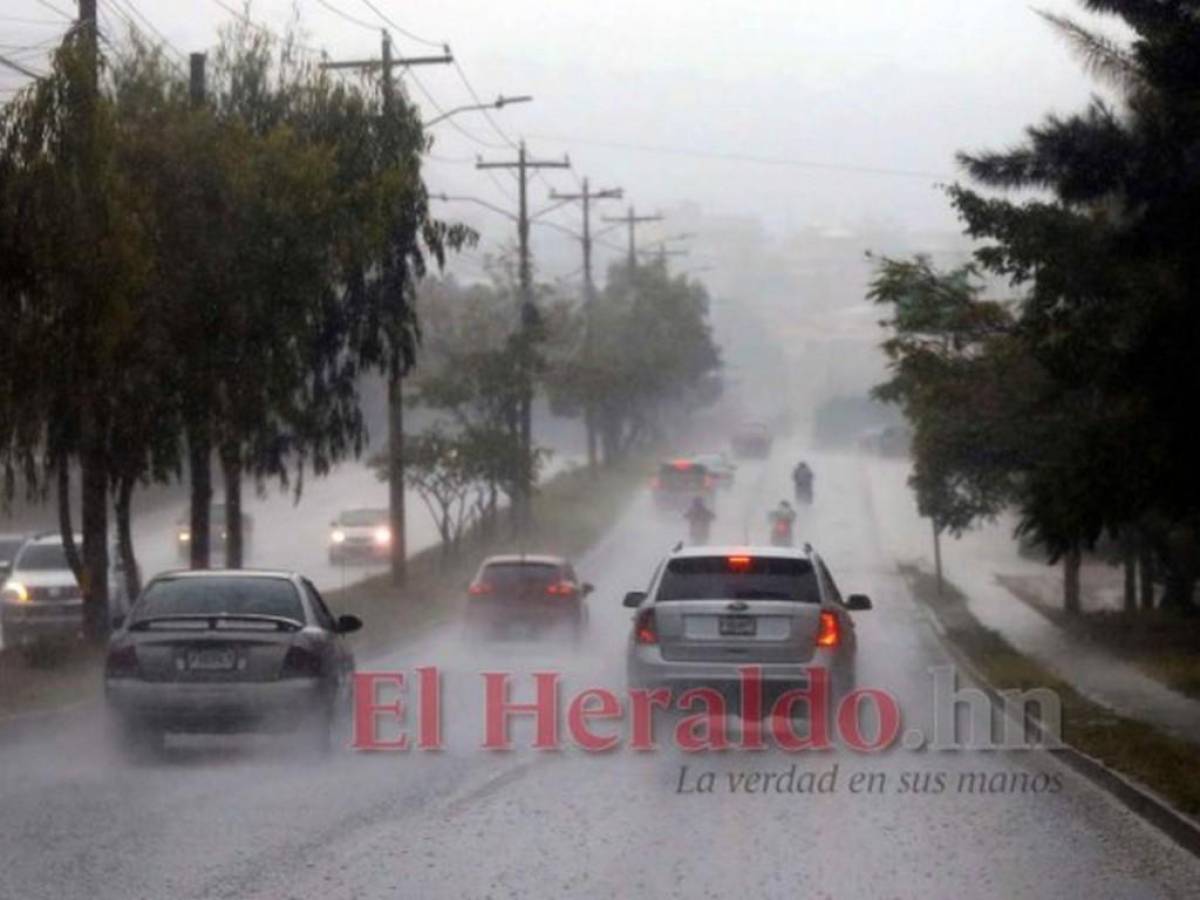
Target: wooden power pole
529	315
585	197
387	64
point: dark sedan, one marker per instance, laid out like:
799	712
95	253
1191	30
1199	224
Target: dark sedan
226	651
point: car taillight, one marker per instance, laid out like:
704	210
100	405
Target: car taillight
479	589
645	629
829	633
301	662
561	589
122	662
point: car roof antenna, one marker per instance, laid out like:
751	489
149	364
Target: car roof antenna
677	547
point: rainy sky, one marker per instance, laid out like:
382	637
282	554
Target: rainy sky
747	109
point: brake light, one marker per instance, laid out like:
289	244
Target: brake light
561	589
479	589
122	662
301	662
645	629
681	465
739	563
829	634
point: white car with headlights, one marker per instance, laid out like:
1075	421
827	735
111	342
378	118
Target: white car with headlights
41	602
218	532
360	535
710	611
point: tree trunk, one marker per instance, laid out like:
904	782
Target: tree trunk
65	526
589	424
937	558
129	566
231	469
94	518
396	484
1146	573
1072	560
200	469
1129	561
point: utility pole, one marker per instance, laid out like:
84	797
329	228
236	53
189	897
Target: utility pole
523	164
396	513
632	220
586	196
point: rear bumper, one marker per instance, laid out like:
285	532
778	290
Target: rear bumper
347	552
25	623
211	707
646	668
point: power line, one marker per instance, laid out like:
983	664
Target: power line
50	6
131	7
408	34
750	158
345	15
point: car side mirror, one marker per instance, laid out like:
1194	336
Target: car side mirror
586	588
634	599
858	602
348	624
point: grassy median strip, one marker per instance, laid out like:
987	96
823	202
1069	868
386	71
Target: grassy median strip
1167	765
571	512
1163	643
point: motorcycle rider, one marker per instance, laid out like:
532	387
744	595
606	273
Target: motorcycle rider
782	518
802	481
699	518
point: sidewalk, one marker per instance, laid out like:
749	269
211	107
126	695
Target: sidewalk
973	564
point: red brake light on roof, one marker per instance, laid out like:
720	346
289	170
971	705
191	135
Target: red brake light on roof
829	634
479	589
737	563
645	629
681	465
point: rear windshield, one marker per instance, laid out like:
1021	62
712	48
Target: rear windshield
674	477
359	517
217	595
502	576
42	558
760	578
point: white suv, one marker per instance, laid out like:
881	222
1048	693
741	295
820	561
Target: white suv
41	601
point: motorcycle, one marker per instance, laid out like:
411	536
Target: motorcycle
804	491
781	533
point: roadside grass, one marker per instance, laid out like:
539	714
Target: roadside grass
571	512
1167	765
60	677
1162	643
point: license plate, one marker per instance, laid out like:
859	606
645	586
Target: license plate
211	660
738	626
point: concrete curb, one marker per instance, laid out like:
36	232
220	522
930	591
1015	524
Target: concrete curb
1141	801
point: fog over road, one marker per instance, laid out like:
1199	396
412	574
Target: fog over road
249	819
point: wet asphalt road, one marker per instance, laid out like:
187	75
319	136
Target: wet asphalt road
255	819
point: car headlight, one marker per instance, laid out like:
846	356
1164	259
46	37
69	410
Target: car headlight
15	592
337	536
184	536
383	535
